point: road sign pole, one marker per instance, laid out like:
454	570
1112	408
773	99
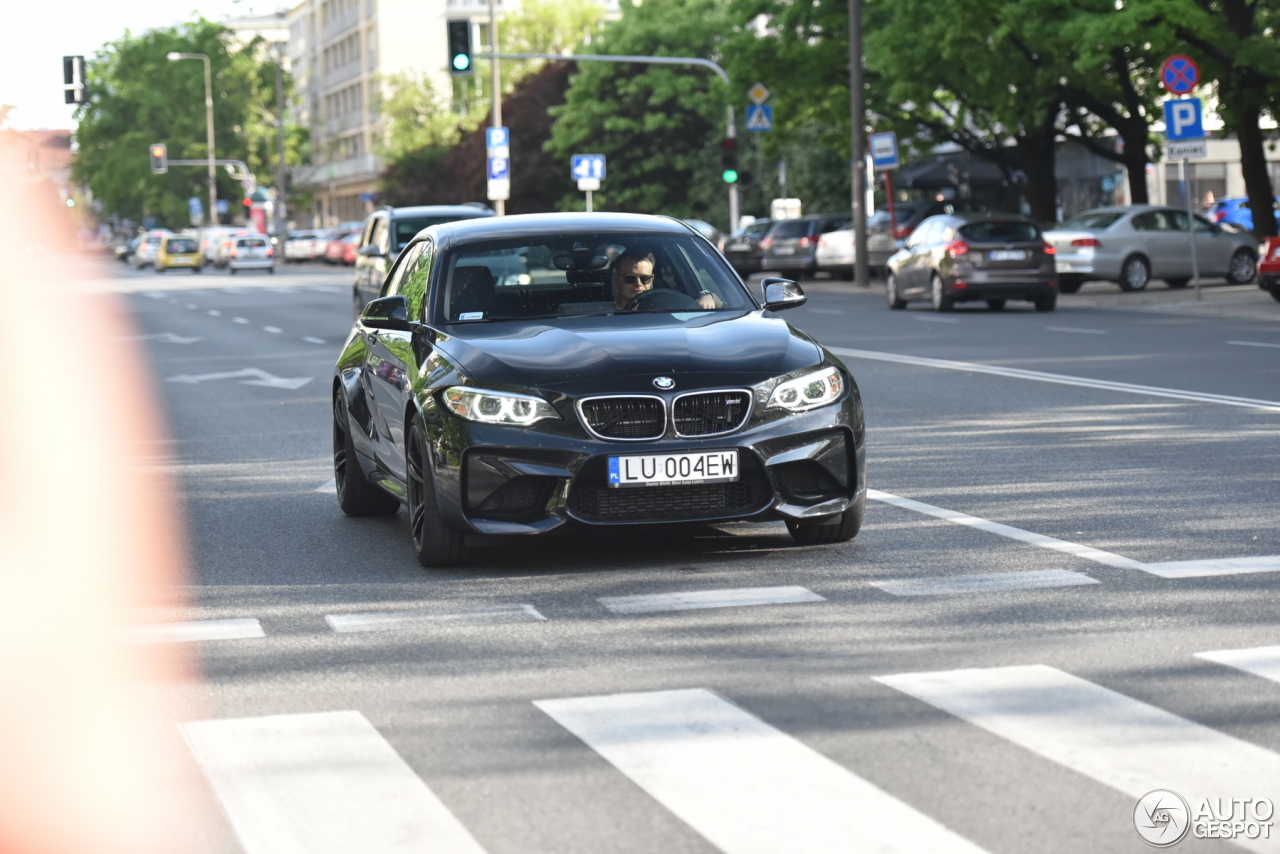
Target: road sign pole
589	202
1191	224
496	111
888	194
858	146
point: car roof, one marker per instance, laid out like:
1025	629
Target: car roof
441	210
554	224
988	216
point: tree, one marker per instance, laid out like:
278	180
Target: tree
413	115
135	97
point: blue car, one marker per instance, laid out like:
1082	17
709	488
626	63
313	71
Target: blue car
1236	212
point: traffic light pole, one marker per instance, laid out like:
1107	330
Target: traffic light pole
731	128
208	114
858	146
495	82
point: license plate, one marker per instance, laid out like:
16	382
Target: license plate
739	247
673	469
1008	255
784	250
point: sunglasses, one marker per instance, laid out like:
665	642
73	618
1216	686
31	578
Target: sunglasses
632	279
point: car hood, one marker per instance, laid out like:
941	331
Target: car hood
622	353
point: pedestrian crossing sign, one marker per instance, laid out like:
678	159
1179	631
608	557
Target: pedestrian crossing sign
759	117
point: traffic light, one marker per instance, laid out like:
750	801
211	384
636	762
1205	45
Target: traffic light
729	160
159	158
460	61
73	79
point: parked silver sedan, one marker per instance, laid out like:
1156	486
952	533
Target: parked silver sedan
1132	245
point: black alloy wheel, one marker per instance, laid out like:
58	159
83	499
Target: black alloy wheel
941	302
835	529
356	496
1242	268
1135	274
995	304
891	293
434	542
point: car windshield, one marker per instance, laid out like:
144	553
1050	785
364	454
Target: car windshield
791	229
1000	232
251	243
407	228
573	275
1092	221
181	247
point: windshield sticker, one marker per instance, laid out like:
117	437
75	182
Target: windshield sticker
471	315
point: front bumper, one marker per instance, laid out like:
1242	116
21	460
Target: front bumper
504	480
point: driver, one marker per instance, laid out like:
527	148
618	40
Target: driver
633	275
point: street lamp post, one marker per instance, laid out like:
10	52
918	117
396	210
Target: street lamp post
208	111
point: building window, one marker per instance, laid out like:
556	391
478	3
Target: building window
1206	181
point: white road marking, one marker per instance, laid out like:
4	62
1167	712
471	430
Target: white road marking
163	337
694	600
987	582
310	340
929	319
381	621
331	487
1118	741
194	630
234	291
1166	569
1061	379
323	783
192	305
1079	329
745	786
273	329
239	320
1253	344
262	378
1261	661
281	290
213	312
155	295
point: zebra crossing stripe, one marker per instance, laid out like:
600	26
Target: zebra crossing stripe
376	621
745	786
194	630
1113	739
984	582
1261	661
324	783
697	599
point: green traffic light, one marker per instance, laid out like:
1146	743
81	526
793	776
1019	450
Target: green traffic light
730	176
462	62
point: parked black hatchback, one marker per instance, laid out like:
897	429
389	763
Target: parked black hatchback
791	246
498	387
973	256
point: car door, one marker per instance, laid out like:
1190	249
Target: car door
1213	249
912	279
380	377
1168	247
371	270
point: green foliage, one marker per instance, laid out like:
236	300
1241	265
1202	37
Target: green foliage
136	96
414	116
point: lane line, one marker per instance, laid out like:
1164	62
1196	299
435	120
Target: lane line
239	320
330	488
194	630
379	621
694	600
214	313
322	783
1079	329
1261	661
1253	344
1202	568
311	340
1113	739
929	319
1062	379
272	329
746	787
987	582
1044	542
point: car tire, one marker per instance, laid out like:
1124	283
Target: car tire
941	302
1134	273
1176	283
272	270
1069	285
159	269
1047	303
195	270
434	543
846	274
995	304
1243	267
891	293
356	495
836	529
1275	294
233	272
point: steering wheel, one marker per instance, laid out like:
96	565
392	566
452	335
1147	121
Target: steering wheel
662	299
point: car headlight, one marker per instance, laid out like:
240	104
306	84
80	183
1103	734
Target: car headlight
498	407
809	391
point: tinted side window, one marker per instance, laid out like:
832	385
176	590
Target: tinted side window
416	276
1000	232
379	236
1152	221
393	283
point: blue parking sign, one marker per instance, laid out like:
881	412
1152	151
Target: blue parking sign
499	168
1183	119
497	138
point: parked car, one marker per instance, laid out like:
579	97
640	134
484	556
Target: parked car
1269	268
742	248
336	247
179	252
835	253
707	230
963	257
252	252
520	407
1236	212
298	246
387	231
350	246
1132	245
791	245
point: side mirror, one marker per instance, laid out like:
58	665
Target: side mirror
386	313
370	250
781	293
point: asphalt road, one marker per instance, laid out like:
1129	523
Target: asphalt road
1065	596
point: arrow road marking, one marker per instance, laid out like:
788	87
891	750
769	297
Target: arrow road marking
166	337
260	376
